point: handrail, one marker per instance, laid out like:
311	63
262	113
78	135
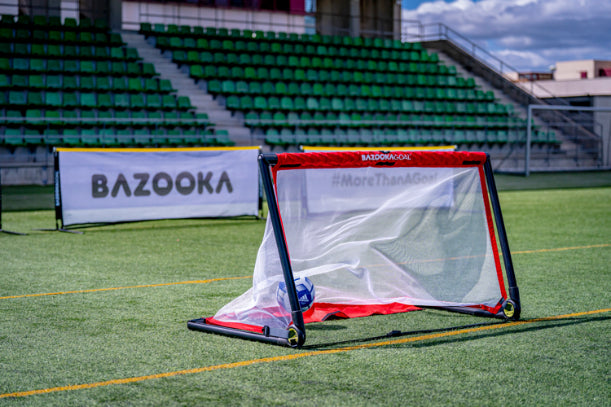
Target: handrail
443	32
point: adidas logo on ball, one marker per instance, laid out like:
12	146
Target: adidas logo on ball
305	293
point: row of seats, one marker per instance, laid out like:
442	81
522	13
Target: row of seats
116	138
93	100
399	137
254	47
185	31
357	119
85	118
251	73
26	35
85	83
75	66
57	51
354	90
41	29
230	59
244	61
382	106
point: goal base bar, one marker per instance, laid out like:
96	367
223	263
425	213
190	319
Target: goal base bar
509	311
200	324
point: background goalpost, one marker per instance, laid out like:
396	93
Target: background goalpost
591	140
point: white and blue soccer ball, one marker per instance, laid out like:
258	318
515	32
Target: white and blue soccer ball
305	292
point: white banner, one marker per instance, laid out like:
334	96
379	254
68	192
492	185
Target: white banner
121	185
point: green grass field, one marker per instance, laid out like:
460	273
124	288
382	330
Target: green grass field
100	318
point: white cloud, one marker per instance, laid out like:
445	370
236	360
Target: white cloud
522	58
553	29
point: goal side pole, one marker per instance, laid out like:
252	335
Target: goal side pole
514	293
296	337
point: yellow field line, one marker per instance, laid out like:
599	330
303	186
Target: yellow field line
244	277
294	356
211	280
561	249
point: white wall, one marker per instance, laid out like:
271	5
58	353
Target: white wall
70	9
135	12
568	88
572	69
9	7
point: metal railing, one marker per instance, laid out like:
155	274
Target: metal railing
414	30
594	148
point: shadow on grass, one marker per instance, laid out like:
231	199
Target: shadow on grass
156	225
536	326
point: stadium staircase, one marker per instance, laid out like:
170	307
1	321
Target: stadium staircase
202	102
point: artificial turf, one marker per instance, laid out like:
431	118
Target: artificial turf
87	333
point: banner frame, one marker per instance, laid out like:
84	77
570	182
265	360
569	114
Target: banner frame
59	218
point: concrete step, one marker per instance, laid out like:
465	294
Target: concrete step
202	101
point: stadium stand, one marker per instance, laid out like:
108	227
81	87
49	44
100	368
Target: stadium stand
77	84
339	90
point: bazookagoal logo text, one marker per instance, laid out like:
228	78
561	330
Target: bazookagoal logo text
385	157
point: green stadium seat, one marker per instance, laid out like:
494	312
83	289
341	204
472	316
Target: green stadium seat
105	101
53	118
84	82
103	83
70	100
121	101
151	85
55	66
34	118
17	98
260	103
135	85
273	103
182	102
187	119
89	138
165	86
137	101
89	100
153	102
13	137
72	66
105	118
120	84
169	102
233	103
101	53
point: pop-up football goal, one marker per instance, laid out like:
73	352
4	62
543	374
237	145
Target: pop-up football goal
375	233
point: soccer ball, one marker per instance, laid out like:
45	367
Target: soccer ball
305	293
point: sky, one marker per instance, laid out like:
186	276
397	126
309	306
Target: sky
528	35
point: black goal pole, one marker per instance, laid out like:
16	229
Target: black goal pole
514	293
297	331
2	230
